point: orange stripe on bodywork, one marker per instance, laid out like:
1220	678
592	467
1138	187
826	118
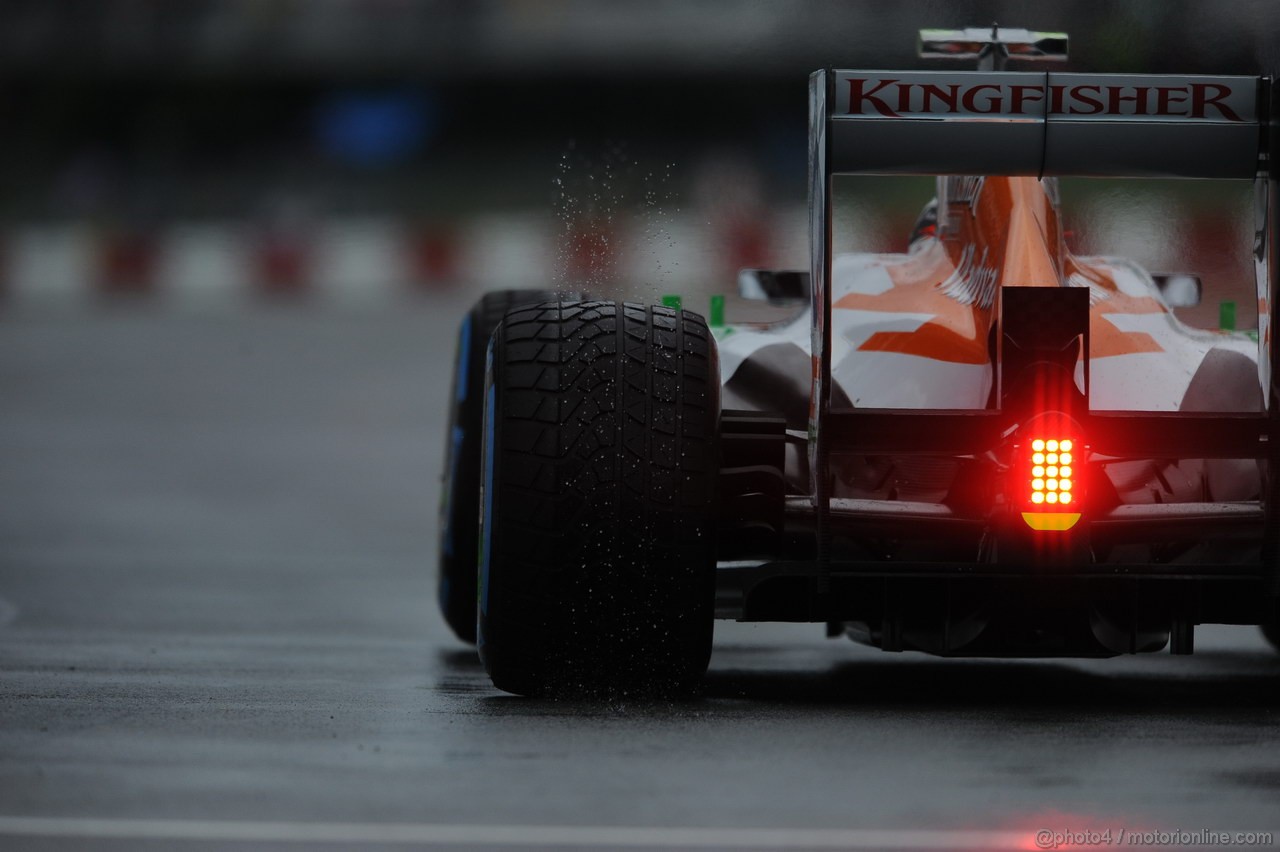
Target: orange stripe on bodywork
1105	339
1014	231
931	340
957	333
1026	232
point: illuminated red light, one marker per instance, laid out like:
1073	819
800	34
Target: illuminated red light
1049	483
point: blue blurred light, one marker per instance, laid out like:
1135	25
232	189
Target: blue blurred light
374	129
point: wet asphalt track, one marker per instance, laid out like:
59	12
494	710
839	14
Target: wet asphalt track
217	630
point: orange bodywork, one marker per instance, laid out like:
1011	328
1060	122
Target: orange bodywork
1007	233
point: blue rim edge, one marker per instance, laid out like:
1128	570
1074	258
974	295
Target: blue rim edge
486	516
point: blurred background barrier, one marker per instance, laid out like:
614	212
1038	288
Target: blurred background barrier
352	152
370	261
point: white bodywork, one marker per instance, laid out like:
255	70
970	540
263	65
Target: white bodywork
1141	381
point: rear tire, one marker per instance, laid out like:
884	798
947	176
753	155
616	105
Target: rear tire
599	504
460	490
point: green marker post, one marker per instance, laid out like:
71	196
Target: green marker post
671	300
1227	316
715	318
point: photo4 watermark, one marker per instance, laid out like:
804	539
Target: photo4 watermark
1047	838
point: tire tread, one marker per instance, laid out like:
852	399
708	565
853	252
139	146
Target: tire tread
603	554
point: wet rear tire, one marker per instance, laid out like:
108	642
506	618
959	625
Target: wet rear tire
460	490
600	467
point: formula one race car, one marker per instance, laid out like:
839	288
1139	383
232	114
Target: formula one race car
988	445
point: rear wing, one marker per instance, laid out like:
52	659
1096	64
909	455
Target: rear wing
1040	124
1012	123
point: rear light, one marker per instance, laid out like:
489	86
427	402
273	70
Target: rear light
1047	473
